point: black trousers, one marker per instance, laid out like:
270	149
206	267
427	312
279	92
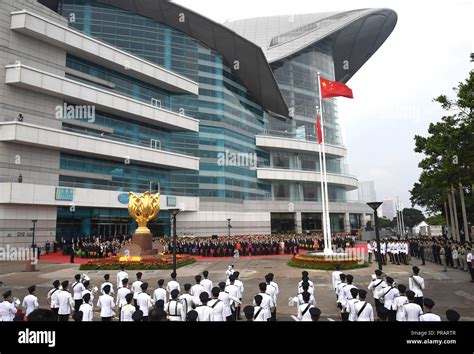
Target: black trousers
77	304
63	318
229	318
392	315
419	301
345	316
471	270
55	311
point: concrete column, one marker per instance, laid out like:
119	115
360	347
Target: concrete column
347	223
299	223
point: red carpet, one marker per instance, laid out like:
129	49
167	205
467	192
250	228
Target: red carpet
58	258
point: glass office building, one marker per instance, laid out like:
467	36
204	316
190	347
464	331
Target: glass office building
217	119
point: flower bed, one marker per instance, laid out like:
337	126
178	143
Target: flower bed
136	263
325	263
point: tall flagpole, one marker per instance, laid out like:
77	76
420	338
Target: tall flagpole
328	250
323	195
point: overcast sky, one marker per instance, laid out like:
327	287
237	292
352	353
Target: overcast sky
426	55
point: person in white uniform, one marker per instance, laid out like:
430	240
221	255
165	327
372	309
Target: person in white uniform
376	285
127	311
122	293
389	295
206	283
351	303
144	303
412	311
336	277
363	310
197	289
225	298
204	311
399	302
30	301
173	284
267	301
137	288
312	299
188	301
429	316
175	309
86	308
240	285
417	285
160	293
121	276
7	308
258	311
217	307
65	302
303	310
106	304
105	283
49	298
77	289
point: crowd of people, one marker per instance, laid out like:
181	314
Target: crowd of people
207	301
254	245
445	252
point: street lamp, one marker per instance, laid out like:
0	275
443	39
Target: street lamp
174	213
33	229
229	226
375	207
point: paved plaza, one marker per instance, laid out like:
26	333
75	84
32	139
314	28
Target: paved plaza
451	290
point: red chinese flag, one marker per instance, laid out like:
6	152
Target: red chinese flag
319	130
331	89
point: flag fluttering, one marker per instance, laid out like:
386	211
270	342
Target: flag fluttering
331	89
319	130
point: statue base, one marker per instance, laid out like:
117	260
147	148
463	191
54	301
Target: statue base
145	243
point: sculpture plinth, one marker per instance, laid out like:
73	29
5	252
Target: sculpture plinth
144	209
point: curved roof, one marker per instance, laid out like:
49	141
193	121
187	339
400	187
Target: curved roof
254	71
355	35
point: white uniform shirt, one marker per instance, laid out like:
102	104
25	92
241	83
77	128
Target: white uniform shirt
341	294
87	312
172	285
336	278
121	276
430	317
234	294
259	314
103	286
136	288
267	304
121	293
30	303
160	294
376	286
225	298
188	302
229	272
49	297
77	289
240	285
389	294
7	311
469	257
271	291
87	291
196	291
217	313
204	313
65	302
310	289
417	289
306	317
127	313
144	303
175	311
412	312
365	316
207	284
350	308
347	291
398	304
312	300
106	304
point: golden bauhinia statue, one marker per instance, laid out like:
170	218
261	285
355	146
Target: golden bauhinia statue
143	209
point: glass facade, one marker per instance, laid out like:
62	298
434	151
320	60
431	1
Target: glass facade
230	117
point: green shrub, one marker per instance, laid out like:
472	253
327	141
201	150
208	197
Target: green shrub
137	266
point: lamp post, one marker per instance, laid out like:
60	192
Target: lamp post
33	229
174	213
229	226
375	206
